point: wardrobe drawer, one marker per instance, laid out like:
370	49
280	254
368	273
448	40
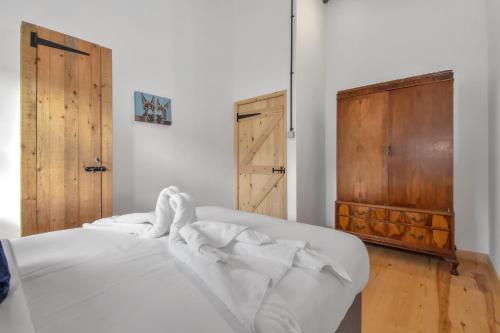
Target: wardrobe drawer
396	230
408	234
411	218
424	231
378	214
417	236
360	226
360	211
367	212
378	228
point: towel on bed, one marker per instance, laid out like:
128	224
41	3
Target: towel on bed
242	241
146	225
238	264
135	224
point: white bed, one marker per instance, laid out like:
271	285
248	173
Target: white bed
83	280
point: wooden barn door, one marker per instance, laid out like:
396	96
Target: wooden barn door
66	131
261	155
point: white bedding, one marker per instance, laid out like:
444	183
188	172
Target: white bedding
84	280
14	312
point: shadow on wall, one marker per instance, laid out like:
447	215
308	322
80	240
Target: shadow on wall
8	230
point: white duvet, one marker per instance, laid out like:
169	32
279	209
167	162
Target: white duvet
92	281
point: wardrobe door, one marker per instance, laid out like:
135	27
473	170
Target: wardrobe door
421	140
361	144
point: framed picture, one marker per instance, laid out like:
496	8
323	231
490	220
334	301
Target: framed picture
152	109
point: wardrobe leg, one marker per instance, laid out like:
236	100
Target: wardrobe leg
454	265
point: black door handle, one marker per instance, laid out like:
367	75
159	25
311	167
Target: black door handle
280	170
95	169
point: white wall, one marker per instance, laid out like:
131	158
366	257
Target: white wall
310	110
494	121
174	48
194	66
374	41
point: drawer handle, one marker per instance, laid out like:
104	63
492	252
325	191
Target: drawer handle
360	212
419	237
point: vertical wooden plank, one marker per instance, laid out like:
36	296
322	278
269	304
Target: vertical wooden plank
236	159
95	55
71	134
28	131
57	124
107	131
43	135
284	188
90	132
85	134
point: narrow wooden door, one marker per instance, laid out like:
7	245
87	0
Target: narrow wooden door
66	133
362	148
260	127
421	137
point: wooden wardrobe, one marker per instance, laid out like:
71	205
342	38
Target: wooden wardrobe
395	164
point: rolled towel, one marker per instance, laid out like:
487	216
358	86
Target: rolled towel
184	211
163	215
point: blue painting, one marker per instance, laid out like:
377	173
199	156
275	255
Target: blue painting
152	109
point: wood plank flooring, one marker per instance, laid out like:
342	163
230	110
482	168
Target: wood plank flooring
416	293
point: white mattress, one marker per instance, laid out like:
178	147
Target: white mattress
82	280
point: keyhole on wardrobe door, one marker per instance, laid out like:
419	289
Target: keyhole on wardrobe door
97	160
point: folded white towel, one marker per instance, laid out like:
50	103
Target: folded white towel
184	213
146	225
312	259
233	281
163	214
136	223
240	240
214	234
240	264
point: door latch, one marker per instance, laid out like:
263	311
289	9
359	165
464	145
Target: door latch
280	170
95	169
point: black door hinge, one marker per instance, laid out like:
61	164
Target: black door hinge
35	40
248	115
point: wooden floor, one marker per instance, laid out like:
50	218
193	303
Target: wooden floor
416	293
